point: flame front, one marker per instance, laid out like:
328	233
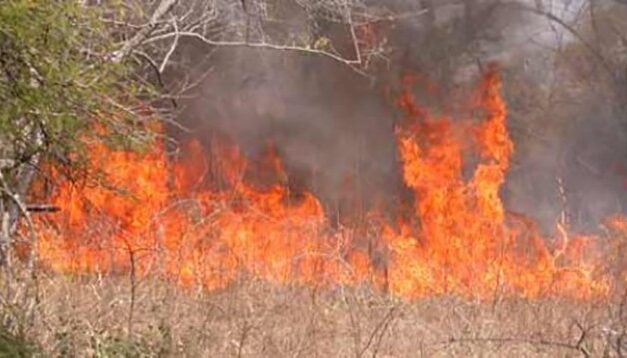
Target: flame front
159	216
464	244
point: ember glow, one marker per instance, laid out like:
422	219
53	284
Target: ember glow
161	217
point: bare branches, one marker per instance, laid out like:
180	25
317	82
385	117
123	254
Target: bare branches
222	24
537	342
260	45
175	43
593	50
165	6
378	332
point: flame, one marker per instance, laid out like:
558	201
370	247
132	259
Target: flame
198	220
194	235
464	244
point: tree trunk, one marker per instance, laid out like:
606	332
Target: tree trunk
14	191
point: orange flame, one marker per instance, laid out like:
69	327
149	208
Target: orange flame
196	220
464	245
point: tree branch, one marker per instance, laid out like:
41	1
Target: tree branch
552	17
165	6
261	45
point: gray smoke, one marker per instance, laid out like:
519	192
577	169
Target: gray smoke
334	128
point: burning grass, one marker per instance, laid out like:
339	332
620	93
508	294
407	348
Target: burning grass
201	221
191	257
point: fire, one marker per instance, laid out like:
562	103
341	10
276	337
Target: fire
186	232
198	220
465	243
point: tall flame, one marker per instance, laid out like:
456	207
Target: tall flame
464	244
196	220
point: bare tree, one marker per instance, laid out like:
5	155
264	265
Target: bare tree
246	23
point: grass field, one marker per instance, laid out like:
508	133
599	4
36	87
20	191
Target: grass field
91	316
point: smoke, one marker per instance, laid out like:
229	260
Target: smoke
334	127
567	121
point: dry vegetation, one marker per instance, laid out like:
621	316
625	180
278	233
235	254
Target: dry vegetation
111	317
89	315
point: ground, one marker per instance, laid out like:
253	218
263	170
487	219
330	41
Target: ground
111	317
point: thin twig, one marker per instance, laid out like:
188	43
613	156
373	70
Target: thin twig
261	45
175	43
378	332
542	342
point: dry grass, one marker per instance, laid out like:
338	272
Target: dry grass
91	316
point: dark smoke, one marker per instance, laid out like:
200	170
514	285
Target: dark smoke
334	127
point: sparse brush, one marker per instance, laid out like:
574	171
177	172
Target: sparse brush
87	317
12	346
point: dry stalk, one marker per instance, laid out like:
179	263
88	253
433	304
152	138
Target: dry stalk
376	336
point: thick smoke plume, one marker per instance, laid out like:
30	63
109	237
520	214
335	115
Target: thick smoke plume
334	127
